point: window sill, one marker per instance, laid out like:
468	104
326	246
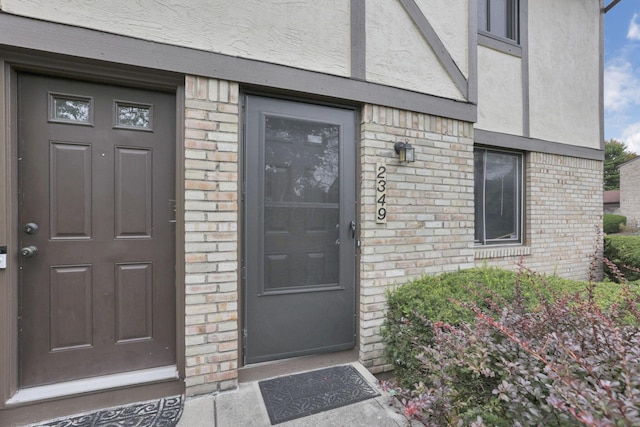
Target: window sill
499	44
487	252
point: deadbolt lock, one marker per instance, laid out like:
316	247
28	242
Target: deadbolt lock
31	228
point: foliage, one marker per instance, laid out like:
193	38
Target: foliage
430	297
615	153
623	250
613	223
541	357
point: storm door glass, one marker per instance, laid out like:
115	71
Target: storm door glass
301	204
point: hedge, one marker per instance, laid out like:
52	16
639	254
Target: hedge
613	223
432	297
623	250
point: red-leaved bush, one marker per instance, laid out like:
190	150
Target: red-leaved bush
561	362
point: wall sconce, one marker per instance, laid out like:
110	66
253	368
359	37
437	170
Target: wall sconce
406	152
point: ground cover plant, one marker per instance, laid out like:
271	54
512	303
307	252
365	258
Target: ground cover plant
511	349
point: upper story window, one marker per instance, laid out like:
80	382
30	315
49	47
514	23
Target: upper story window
499	18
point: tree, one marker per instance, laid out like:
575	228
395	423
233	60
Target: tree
615	153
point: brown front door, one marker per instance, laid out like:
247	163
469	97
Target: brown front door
96	217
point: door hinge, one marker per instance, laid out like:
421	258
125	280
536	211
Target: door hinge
244	272
244	338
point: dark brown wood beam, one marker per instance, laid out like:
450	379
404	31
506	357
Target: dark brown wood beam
611	5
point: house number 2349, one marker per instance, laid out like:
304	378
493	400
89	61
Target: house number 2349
381	193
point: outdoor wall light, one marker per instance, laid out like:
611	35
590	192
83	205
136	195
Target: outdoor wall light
406	152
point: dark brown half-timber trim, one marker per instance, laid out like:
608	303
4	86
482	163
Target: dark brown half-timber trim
11	62
503	140
44	36
358	40
473	53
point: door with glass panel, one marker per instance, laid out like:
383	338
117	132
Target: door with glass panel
97	229
299	244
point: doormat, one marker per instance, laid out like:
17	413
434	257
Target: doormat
296	396
156	413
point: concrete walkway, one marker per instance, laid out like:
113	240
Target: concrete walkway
244	407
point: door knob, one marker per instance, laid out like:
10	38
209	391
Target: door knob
31	228
28	251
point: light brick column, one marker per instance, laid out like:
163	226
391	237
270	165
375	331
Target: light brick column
630	192
429	225
211	234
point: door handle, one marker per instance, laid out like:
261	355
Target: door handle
352	225
29	251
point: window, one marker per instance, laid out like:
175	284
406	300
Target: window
498	196
70	109
499	18
132	116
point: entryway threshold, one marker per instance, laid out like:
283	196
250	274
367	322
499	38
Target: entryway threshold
294	365
89	385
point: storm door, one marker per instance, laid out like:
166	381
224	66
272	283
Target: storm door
97	229
299	202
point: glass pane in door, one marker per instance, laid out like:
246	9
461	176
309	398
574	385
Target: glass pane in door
301	201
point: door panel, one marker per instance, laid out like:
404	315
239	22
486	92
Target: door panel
96	175
300	249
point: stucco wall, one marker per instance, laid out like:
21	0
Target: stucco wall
399	56
449	19
499	92
313	35
564	71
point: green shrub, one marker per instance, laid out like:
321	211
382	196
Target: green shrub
515	349
405	331
623	250
613	223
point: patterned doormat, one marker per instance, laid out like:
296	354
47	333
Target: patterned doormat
296	396
156	413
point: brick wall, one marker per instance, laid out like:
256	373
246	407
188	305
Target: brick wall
211	234
563	204
429	229
630	192
429	226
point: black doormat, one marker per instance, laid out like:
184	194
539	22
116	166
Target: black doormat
157	413
296	396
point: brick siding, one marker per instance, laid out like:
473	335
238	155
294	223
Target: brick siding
211	234
563	205
429	226
630	192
